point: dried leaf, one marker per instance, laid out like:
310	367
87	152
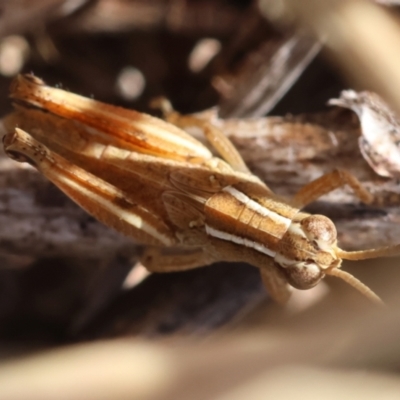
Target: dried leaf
380	127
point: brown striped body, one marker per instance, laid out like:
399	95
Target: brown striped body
152	181
247	216
254	220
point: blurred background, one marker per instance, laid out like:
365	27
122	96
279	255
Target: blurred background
79	321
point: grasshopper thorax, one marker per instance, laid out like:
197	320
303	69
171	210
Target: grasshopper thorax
308	250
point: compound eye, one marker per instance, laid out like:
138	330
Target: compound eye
319	228
304	275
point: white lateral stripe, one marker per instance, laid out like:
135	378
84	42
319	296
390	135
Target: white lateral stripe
125	215
236	194
239	240
296	229
253	205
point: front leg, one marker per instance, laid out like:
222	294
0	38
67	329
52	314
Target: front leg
328	183
214	135
160	260
272	276
275	283
216	138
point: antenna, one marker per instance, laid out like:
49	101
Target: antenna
356	284
388	251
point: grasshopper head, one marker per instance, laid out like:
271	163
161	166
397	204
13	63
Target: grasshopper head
308	251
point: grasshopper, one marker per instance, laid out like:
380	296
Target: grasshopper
150	180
